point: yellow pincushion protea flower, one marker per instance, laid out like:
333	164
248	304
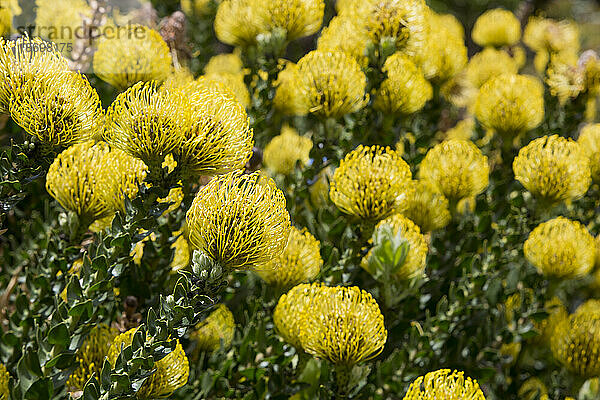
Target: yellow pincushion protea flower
576	343
285	150
489	63
92	180
531	389
557	312
496	28
414	263
589	306
457	168
5	29
561	248
565	81
299	262
230	62
344	325
553	169
427	207
90	356
511	104
549	36
589	141
371	183
240	221
61	22
405	90
444	384
195	7
217	328
287	100
58	109
344	34
171	372
4	383
138	55
459	90
238	22
329	84
291	309
235	83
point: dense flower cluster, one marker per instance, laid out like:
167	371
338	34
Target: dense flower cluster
444	384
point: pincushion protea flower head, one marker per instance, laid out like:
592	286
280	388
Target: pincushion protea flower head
576	343
5	28
589	141
235	84
548	35
59	109
457	168
414	263
489	63
4	383
371	183
56	21
139	55
171	372
228	62
25	60
344	325
444	384
285	150
427	207
533	388
239	221
344	34
90	356
91	180
510	104
496	28
217	328
561	248
299	262
405	90
553	169
329	84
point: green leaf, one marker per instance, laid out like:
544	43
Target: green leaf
59	335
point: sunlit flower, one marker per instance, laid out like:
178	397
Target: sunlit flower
344	326
511	104
427	207
565	81
58	109
235	83
228	62
414	263
576	343
329	84
61	22
532	389
457	168
561	248
240	221
589	306
344	34
553	169
496	28
547	35
90	356
589	143
287	99
139	55
299	262
451	23
371	183
489	63
170	373
217	328
405	90
444	384
285	150
238	22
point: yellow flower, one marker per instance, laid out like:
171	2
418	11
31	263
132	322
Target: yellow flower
444	384
140	54
427	207
177	79
344	34
511	104
230	62
457	168
4	383
496	28
217	328
90	356
59	109
287	100
589	306
463	130
92	180
181	251
414	264
553	169
371	183
61	22
283	151
235	83
533	388
590	63
238	22
405	90
589	141
561	248
240	221
291	309
171	372
576	343
329	84
195	7
451	23
459	90
343	325
299	262
319	191
547	35
5	29
489	63
557	312
565	81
